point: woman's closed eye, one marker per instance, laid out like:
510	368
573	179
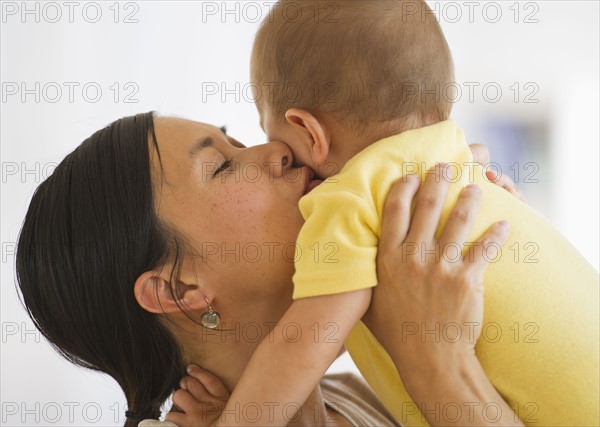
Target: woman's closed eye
222	168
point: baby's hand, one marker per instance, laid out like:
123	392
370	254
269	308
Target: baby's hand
201	399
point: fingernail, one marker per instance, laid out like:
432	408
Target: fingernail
503	226
189	368
473	187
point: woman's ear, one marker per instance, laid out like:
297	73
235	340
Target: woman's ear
320	138
153	293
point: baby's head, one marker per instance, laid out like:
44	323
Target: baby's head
331	77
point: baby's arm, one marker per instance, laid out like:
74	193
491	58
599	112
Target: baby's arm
289	363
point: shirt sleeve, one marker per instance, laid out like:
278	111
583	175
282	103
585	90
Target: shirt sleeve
337	247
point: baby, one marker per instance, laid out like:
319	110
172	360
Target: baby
360	92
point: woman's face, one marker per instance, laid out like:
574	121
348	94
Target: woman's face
237	207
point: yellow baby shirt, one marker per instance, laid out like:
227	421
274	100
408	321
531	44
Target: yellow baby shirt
539	344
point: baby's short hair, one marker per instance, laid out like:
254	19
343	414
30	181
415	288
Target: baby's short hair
365	61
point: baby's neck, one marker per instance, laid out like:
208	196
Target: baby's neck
347	143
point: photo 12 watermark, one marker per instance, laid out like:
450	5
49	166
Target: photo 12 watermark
53	12
490	12
253	12
70	92
228	332
453	332
327	12
62	413
452	412
489	92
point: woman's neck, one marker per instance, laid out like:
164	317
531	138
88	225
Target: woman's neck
226	353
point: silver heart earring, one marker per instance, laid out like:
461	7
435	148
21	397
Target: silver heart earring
210	319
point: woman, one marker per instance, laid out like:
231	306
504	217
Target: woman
145	228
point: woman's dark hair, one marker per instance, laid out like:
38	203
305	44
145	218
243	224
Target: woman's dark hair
90	231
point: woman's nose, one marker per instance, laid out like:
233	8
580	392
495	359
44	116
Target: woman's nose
278	158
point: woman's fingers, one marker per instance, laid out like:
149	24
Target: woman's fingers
504	181
481	154
428	205
461	219
396	212
212	385
488	248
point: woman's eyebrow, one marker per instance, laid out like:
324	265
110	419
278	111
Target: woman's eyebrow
204	142
199	145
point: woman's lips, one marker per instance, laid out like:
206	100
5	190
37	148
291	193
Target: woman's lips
311	180
314	183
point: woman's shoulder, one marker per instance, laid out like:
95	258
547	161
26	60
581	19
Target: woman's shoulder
351	396
347	394
155	423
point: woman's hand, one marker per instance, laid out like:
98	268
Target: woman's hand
425	284
481	155
427	309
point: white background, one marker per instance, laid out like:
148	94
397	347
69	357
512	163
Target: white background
173	52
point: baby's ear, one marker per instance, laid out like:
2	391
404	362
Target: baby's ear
320	138
153	293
